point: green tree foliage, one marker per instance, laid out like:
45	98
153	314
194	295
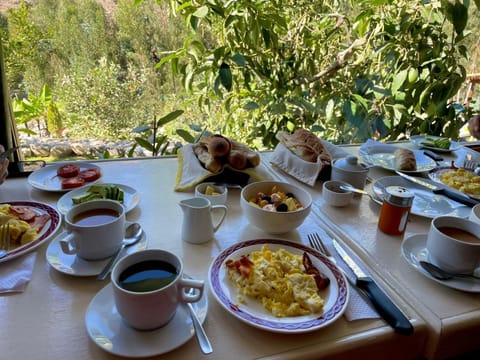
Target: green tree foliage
351	70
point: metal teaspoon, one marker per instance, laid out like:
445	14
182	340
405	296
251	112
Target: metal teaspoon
441	274
133	234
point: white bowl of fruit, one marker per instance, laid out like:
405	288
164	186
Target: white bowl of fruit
275	207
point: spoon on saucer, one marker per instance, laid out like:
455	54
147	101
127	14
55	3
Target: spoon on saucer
441	274
353	189
133	234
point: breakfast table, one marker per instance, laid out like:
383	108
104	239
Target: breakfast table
47	319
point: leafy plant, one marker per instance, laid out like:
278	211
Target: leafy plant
152	139
33	108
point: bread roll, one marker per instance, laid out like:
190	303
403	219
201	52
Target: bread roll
217	145
211	164
305	144
253	158
237	160
405	160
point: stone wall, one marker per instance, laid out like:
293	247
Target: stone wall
35	146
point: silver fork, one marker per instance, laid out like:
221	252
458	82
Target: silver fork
470	164
4	240
317	243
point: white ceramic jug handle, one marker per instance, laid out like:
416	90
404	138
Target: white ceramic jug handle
66	244
223	208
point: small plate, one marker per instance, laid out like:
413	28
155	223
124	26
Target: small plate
336	296
418	139
48	230
383	156
47	179
130	201
107	329
414	250
75	266
425	203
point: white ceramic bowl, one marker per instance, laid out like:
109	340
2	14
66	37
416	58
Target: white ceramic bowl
334	195
217	199
270	221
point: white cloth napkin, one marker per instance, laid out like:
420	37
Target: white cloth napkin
15	274
358	308
304	171
191	172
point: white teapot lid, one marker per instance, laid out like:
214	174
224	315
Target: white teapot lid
350	163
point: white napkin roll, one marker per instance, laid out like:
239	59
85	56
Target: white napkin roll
16	274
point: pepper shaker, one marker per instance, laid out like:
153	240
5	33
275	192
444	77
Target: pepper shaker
395	210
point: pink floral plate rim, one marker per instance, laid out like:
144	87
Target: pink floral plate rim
336	295
48	230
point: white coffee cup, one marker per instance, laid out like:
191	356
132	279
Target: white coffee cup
94	230
475	214
147	305
450	248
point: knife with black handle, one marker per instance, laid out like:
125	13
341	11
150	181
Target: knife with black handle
382	303
462	199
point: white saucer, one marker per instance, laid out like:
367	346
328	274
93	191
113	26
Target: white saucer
107	329
75	266
414	251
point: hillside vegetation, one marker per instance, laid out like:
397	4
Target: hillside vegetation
348	70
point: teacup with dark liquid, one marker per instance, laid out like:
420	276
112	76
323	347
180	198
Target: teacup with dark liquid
94	230
149	285
453	244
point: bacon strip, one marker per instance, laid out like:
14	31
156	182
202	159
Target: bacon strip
320	279
244	265
23	213
40	221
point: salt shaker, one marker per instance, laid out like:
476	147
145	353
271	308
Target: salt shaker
395	210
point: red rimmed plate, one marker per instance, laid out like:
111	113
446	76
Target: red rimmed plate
48	230
253	313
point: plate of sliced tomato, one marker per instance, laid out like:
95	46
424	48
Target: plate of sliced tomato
63	177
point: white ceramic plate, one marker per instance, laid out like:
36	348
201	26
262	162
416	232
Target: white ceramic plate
75	266
130	200
336	296
47	179
435	176
48	230
382	156
425	203
107	329
414	250
418	139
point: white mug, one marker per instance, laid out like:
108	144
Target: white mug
147	303
450	248
475	214
94	230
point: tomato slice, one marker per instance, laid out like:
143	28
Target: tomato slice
73	182
68	170
89	174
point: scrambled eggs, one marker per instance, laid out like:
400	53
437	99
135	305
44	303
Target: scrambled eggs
278	280
462	180
20	231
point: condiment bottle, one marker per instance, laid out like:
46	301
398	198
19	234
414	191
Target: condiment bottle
395	210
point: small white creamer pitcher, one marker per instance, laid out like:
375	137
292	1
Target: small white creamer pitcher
197	224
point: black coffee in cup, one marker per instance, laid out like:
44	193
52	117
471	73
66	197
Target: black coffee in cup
149	275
